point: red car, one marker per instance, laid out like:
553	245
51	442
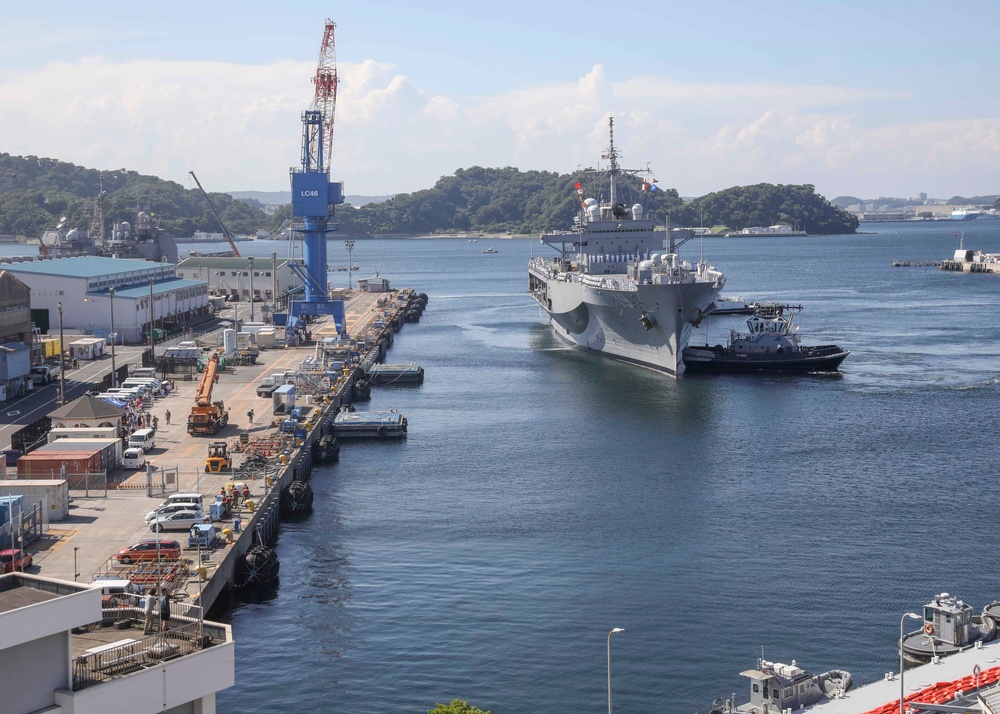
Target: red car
11	560
147	550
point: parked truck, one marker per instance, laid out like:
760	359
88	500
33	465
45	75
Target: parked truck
207	417
44	374
267	386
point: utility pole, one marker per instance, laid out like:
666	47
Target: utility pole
251	287
274	285
114	371
350	261
62	365
151	348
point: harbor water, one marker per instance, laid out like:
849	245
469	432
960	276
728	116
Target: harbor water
545	496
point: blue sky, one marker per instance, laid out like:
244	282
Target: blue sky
861	98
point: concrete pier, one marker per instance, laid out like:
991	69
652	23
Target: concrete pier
84	544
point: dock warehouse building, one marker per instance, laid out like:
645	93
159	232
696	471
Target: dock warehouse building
82	284
231	276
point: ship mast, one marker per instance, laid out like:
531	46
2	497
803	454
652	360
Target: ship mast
612	156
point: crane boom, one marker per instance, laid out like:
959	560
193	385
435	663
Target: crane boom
203	397
225	231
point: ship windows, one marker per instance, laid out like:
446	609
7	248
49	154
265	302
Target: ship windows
789	691
756	687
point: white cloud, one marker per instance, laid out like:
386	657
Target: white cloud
239	127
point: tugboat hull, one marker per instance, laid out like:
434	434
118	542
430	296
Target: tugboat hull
823	358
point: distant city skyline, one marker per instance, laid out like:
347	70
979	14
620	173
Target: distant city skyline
864	100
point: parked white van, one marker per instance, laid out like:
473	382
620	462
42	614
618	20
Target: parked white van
142	372
149	382
134	458
144	439
193	498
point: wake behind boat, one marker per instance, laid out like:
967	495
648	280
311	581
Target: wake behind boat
613	288
769	346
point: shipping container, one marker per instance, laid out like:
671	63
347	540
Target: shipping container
15	360
265	339
87	348
112	449
54	493
50	346
49	465
10	506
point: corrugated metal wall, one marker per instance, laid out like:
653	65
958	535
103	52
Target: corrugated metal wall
15	309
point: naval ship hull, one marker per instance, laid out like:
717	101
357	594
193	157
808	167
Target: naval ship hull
610	322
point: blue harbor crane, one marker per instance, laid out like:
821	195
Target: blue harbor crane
314	195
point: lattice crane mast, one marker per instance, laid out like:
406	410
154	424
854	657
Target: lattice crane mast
324	100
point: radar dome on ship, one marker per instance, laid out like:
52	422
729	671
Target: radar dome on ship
73	234
593	210
590	202
126	226
637	211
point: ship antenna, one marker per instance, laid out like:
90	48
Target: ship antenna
612	156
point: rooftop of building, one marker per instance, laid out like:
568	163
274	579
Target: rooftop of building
159	286
86	266
204	261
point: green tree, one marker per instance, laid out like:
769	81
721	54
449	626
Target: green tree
457	706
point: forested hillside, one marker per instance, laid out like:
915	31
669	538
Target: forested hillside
35	193
766	204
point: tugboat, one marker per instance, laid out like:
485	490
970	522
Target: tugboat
769	346
776	687
949	627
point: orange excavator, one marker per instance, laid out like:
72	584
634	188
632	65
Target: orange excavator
207	417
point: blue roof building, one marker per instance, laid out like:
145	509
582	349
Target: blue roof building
83	286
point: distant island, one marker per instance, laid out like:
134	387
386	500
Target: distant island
37	193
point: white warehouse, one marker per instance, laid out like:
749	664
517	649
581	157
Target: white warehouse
91	287
231	276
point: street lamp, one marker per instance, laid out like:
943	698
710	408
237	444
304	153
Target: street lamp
902	692
114	372
617	629
350	261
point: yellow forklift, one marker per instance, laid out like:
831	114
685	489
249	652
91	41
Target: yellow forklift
218	458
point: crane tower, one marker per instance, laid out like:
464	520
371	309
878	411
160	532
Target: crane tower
313	194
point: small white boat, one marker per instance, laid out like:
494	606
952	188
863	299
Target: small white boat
490	250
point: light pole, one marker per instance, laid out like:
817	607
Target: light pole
62	365
251	287
114	372
350	261
617	629
902	692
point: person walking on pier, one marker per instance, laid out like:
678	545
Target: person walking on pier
250	416
147	627
167	417
164	611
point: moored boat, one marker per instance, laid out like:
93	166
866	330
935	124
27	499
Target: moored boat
770	345
776	687
618	286
949	627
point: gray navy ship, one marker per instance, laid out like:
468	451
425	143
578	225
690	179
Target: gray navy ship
617	286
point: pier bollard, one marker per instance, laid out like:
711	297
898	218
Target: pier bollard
227	533
202	573
250	505
268	481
